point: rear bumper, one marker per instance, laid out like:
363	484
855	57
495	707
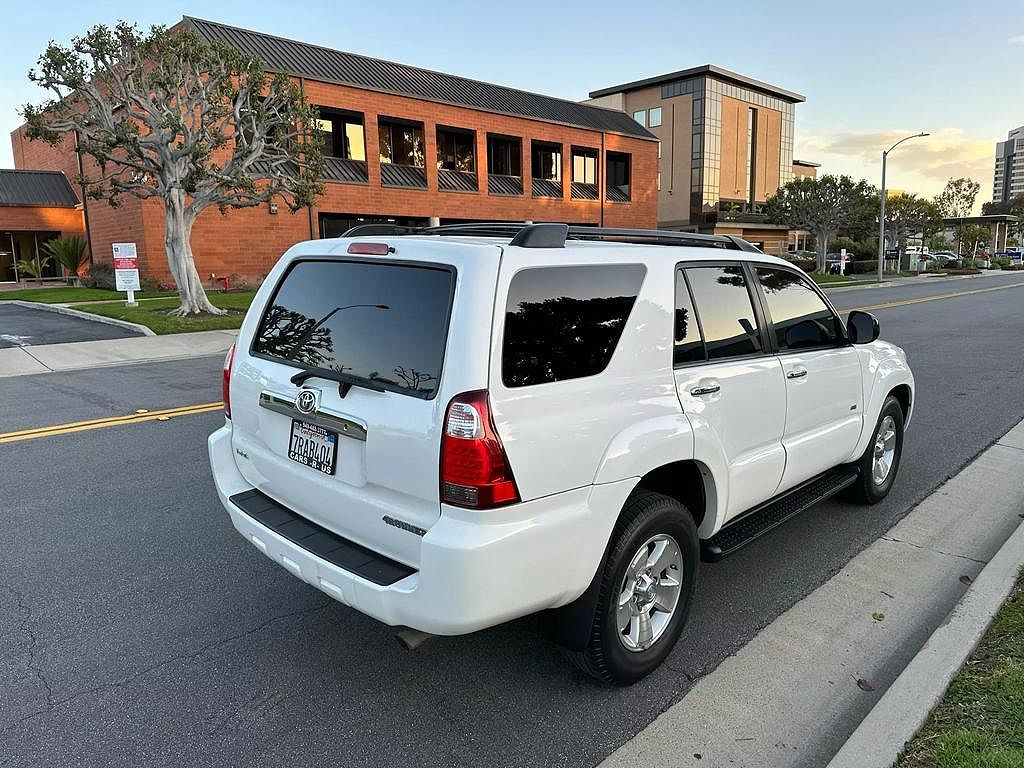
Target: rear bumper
476	569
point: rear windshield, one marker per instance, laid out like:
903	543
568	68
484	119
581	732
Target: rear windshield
385	324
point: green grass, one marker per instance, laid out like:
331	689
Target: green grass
153	314
68	295
831	279
980	722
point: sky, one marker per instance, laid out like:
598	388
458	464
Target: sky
872	71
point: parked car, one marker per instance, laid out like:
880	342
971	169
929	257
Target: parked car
945	259
450	429
832	261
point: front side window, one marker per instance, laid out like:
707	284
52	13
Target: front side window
640	116
456	150
343	134
801	318
547	161
401	143
565	322
726	313
503	156
584	166
654	117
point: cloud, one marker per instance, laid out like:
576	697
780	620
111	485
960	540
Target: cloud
1017	40
921	165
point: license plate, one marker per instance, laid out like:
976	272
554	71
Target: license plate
313	446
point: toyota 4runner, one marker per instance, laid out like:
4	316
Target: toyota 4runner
449	428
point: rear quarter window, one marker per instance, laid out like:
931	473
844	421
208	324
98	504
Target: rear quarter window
565	322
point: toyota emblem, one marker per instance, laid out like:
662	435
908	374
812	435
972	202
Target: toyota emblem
306	401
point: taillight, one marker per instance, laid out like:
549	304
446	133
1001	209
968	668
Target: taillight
229	358
474	468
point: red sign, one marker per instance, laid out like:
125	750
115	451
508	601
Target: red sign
131	262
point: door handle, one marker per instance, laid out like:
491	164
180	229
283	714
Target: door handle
708	389
799	373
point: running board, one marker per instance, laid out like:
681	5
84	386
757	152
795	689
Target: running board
775	512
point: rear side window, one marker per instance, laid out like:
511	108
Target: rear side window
381	323
565	322
726	314
801	318
688	346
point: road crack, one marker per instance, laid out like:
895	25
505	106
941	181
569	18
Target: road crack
932	549
126	681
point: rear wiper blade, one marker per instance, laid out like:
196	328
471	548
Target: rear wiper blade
346	379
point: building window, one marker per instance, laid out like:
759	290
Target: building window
503	156
401	143
654	117
584	166
547	161
456	150
617	171
640	116
751	155
343	134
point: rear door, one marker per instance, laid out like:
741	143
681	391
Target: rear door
824	390
729	384
341	382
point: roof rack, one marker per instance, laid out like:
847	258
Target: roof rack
552	235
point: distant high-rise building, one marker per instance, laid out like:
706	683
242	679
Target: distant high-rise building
1009	176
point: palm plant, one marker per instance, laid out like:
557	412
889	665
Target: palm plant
33	267
68	252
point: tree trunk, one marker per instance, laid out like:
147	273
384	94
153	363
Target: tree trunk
178	233
822	238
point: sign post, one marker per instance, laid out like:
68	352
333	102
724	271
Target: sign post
842	261
126	271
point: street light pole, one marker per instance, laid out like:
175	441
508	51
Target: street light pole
881	215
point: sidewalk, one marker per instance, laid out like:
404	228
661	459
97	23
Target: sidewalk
20	361
793	695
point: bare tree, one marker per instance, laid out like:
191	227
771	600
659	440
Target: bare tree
822	206
165	115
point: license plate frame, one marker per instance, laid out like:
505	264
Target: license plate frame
315	434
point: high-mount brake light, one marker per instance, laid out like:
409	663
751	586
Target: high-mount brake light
229	360
370	249
475	472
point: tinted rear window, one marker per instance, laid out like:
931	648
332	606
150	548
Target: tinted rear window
387	323
565	322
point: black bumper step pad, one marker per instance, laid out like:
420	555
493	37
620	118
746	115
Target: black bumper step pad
319	541
774	513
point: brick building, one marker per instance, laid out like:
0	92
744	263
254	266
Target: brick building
35	206
406	145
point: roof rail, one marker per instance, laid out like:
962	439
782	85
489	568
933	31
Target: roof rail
554	235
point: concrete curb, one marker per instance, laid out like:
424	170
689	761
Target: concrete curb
903	282
64	310
904	708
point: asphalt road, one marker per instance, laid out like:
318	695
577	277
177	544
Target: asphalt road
136	627
23	327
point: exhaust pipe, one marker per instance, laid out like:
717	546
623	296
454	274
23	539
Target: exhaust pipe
411	639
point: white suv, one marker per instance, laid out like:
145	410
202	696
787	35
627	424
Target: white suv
450	428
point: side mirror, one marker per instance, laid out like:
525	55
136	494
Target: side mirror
861	327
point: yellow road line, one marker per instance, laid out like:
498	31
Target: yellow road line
921	299
113	421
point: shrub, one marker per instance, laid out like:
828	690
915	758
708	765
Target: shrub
100	276
1015	267
964	271
862	266
1001	262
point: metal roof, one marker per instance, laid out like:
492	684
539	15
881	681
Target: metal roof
315	62
703	71
39	188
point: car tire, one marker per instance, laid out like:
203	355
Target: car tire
884	448
663	528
